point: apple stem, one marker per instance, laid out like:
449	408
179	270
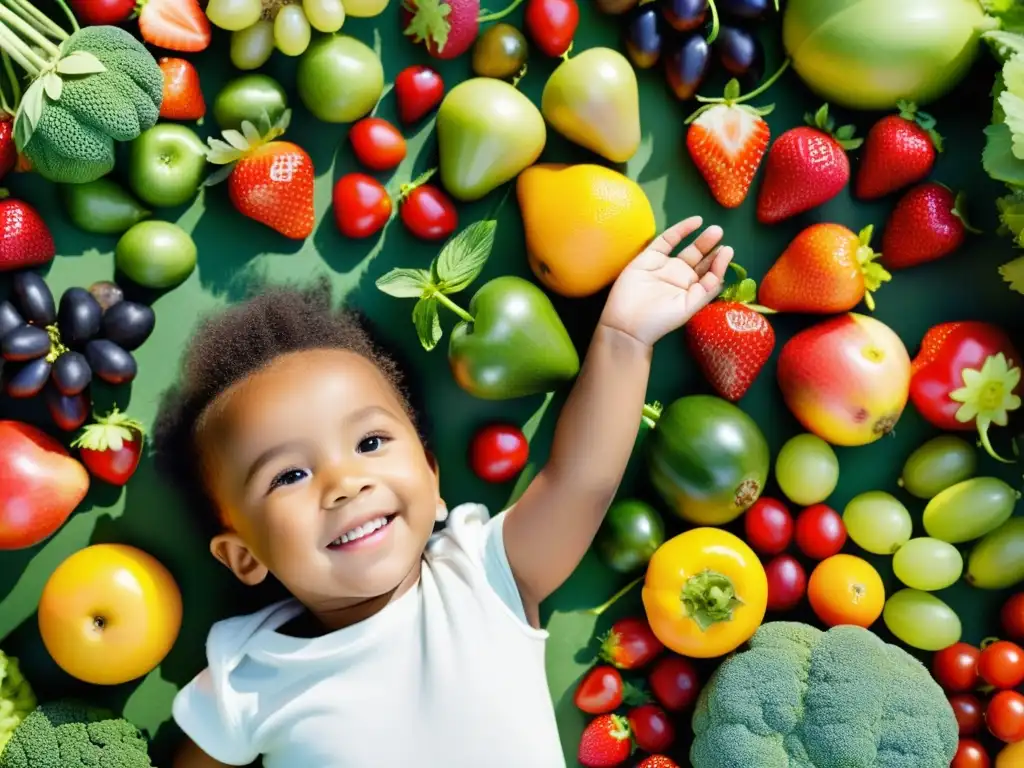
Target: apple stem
519	76
565	56
453	306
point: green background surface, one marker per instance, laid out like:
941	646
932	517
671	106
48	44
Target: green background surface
232	248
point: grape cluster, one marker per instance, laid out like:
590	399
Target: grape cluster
57	350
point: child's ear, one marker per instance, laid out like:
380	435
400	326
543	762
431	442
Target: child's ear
432	461
229	548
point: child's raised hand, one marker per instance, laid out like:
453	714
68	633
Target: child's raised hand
657	292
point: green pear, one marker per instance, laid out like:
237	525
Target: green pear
487	132
592	100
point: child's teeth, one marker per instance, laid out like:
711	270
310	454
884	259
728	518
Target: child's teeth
360	531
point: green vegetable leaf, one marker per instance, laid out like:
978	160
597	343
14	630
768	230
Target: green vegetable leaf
1013	75
998	86
1013	273
53	86
998	159
464	256
1011	215
1013	109
427	322
80	63
29	112
405	283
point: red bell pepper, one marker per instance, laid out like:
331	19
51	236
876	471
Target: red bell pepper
966	376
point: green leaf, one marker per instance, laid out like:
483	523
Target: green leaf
53	86
405	283
1013	108
427	322
998	86
1011	215
998	159
236	139
29	112
1013	75
1013	273
80	63
464	256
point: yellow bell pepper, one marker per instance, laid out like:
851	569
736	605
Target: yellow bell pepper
1011	756
705	593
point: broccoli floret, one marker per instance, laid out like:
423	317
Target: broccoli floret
16	698
72	734
798	697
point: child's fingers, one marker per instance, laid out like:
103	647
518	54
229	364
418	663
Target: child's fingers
670	239
713	278
694	253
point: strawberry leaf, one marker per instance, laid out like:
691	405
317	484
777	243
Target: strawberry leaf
959	210
109	433
429	22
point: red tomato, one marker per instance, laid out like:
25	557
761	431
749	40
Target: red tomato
498	453
674	682
100	12
630	644
768	526
361	205
1005	716
1001	664
429	213
652	729
969	713
552	24
820	532
377	144
600	690
1012	617
956	668
418	89
787	582
970	754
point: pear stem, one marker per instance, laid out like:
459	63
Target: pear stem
453	306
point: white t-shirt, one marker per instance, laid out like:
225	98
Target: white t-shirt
449	675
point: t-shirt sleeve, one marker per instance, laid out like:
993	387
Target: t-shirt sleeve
205	715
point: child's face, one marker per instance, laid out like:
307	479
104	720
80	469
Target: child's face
305	458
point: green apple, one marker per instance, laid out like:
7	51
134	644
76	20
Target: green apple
166	165
339	78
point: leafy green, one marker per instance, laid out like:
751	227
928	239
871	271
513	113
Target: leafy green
1011	215
1013	273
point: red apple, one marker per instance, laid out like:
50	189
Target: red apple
40	485
846	379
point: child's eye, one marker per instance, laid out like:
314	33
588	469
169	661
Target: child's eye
371	443
288	478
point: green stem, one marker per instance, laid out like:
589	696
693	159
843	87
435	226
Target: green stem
13	77
37	18
20	52
714	22
69	14
453	306
651	414
26	29
3	101
614	598
748	96
500	14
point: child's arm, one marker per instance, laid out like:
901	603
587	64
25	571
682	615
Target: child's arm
550	528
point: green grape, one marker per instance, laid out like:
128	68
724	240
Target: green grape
997	561
324	15
937	464
921	620
928	564
807	469
877	522
252	46
291	30
234	15
365	8
970	509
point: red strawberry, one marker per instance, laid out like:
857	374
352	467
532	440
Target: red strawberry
630	644
25	240
8	150
899	151
177	25
926	224
805	167
269	181
183	97
418	89
447	27
731	340
656	761
111	447
605	742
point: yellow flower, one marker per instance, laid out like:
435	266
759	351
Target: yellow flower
1013	273
987	396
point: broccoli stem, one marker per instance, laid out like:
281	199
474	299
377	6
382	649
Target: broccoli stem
27	30
13	77
21	53
37	18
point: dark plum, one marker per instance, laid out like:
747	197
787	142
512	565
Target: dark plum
68	413
747	10
71	373
740	53
106	293
9	318
78	316
643	37
29	378
684	15
686	65
109	362
34	298
25	343
128	324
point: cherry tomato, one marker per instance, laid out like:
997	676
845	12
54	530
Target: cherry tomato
768	526
955	668
361	205
787	582
418	89
552	24
970	715
498	452
1005	716
820	532
1012	617
1001	664
674	682
652	729
377	144
630	644
970	754
429	213
101	12
600	690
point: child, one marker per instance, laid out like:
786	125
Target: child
400	647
